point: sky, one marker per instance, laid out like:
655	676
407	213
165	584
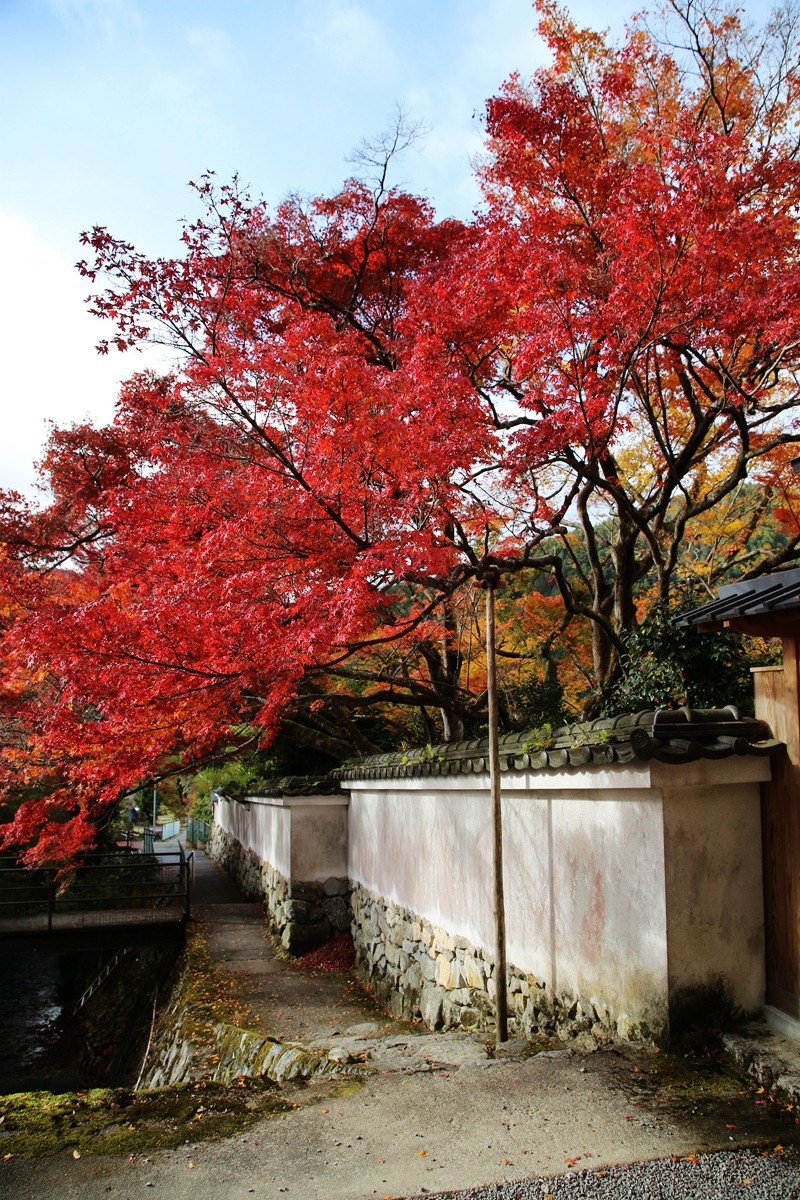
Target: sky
111	107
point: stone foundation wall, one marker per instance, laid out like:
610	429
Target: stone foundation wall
304	915
241	864
421	972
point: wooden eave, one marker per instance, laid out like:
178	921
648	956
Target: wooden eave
765	625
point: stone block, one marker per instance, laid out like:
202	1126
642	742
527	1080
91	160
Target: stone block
335	887
451	1014
413	977
337	910
431	1005
427	966
472	972
444	972
443	940
305	891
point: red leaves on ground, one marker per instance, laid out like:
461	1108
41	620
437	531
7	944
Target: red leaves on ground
336	955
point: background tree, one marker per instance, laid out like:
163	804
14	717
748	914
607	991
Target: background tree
641	248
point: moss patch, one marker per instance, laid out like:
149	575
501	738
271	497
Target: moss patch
118	1121
704	1089
350	1086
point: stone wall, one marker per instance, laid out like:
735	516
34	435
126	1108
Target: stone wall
422	972
303	914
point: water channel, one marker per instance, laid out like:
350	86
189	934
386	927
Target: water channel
47	1046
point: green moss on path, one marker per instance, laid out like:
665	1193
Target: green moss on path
119	1121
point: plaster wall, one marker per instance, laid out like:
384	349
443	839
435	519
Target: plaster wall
427	851
303	838
625	887
260	825
713	874
319	838
583	914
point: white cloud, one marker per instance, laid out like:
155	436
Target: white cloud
50	370
107	17
214	47
349	37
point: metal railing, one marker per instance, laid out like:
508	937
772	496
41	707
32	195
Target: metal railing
113	962
104	890
197	832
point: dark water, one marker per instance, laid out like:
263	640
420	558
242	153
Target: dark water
42	1043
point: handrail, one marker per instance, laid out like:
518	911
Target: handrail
101	891
104	974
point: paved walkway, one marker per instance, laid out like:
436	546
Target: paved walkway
437	1112
284	1002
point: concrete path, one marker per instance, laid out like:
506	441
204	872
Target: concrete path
283	1001
436	1113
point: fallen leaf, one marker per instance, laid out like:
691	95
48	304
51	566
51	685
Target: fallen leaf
76	1153
779	1149
692	1158
190	1166
505	1162
422	1153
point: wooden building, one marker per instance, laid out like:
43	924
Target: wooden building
770	607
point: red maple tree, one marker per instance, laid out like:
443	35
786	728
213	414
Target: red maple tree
370	408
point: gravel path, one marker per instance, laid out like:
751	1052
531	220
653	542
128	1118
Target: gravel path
725	1176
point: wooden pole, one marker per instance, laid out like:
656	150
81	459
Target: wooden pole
501	998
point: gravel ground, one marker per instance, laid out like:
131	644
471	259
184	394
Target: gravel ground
725	1176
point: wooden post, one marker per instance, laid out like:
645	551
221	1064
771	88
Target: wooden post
501	999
